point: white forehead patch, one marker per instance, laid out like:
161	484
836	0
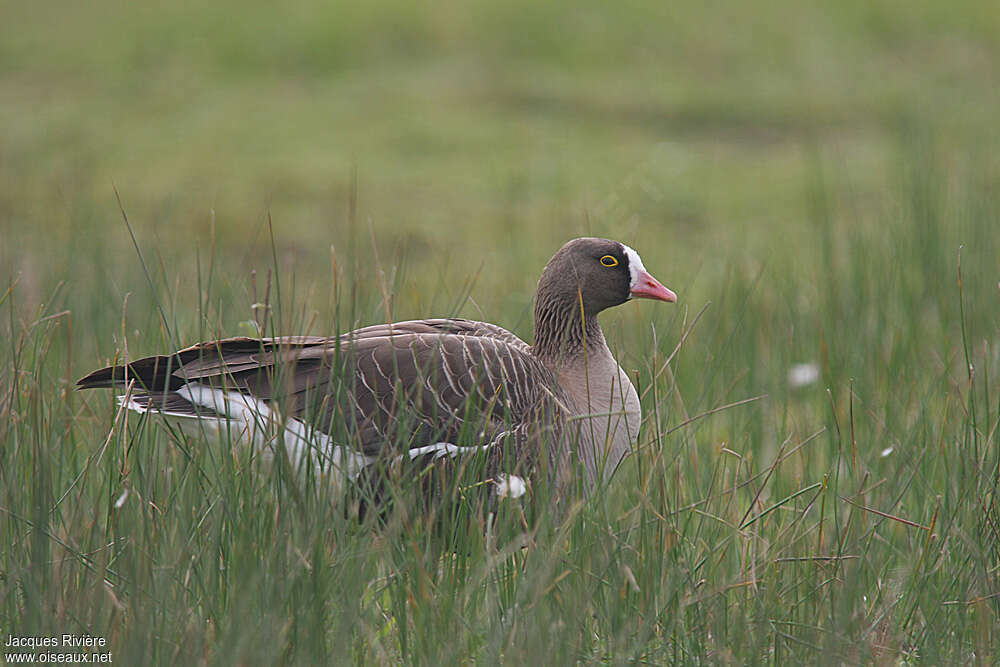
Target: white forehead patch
634	264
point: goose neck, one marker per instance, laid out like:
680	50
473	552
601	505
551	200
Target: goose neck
564	333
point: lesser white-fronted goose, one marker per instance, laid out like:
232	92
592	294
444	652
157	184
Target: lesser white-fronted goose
425	391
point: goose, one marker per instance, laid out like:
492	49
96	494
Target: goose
424	391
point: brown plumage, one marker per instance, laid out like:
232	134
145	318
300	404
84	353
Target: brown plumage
425	391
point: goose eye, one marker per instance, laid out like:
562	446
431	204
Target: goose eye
608	260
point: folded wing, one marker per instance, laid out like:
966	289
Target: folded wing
381	391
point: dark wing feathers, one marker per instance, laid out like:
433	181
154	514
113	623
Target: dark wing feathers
147	373
410	383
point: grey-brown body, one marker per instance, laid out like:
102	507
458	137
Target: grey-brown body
425	390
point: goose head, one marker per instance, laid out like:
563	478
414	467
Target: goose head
598	274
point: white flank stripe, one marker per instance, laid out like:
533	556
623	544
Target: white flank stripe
131	404
252	422
442	449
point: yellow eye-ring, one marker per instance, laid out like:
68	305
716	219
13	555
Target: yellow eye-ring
608	260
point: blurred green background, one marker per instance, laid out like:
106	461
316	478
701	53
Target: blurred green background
810	169
477	130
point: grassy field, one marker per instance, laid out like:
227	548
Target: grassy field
819	183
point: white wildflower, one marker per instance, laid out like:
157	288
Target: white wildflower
801	375
510	486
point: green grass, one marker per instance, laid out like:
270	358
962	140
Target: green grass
809	175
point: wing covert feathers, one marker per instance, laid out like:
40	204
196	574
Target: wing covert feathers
384	388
